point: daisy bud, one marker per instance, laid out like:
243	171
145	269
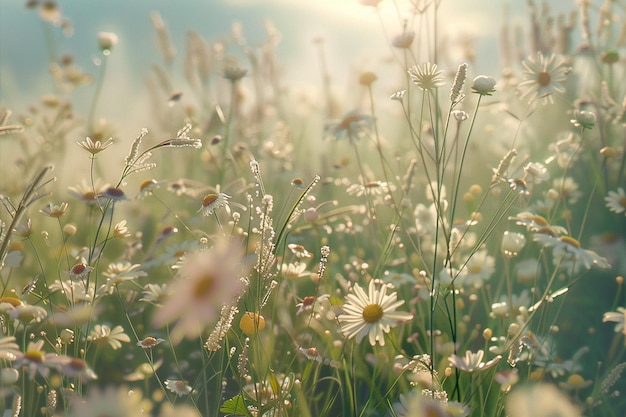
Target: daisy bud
69	229
251	323
66	336
484	85
460	115
403	40
584	119
610	57
608	152
487	333
9	376
513	329
512	244
367	78
106	41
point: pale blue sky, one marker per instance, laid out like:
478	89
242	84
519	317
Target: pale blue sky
352	32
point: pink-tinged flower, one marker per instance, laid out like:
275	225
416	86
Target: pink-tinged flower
149	342
38	361
371	314
206	280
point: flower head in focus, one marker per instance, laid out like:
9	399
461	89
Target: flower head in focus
213	201
484	85
472	361
543	77
94	147
372	314
426	76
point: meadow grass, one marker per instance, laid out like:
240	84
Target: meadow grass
453	246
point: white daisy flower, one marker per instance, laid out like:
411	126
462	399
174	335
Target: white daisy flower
149	342
618	317
9	350
177	386
568	253
478	269
543	77
427	76
616	201
536	223
206	280
113	337
94	147
80	271
472	361
77	368
213	201
371	314
36	360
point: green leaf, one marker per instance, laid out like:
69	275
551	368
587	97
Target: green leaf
236	405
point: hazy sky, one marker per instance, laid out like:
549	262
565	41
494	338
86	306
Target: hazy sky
354	36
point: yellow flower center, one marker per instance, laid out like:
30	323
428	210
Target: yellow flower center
146	183
15	302
372	313
575	380
209	199
204	286
34	355
540	221
475	269
570	241
16	246
547	231
622	202
544	78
